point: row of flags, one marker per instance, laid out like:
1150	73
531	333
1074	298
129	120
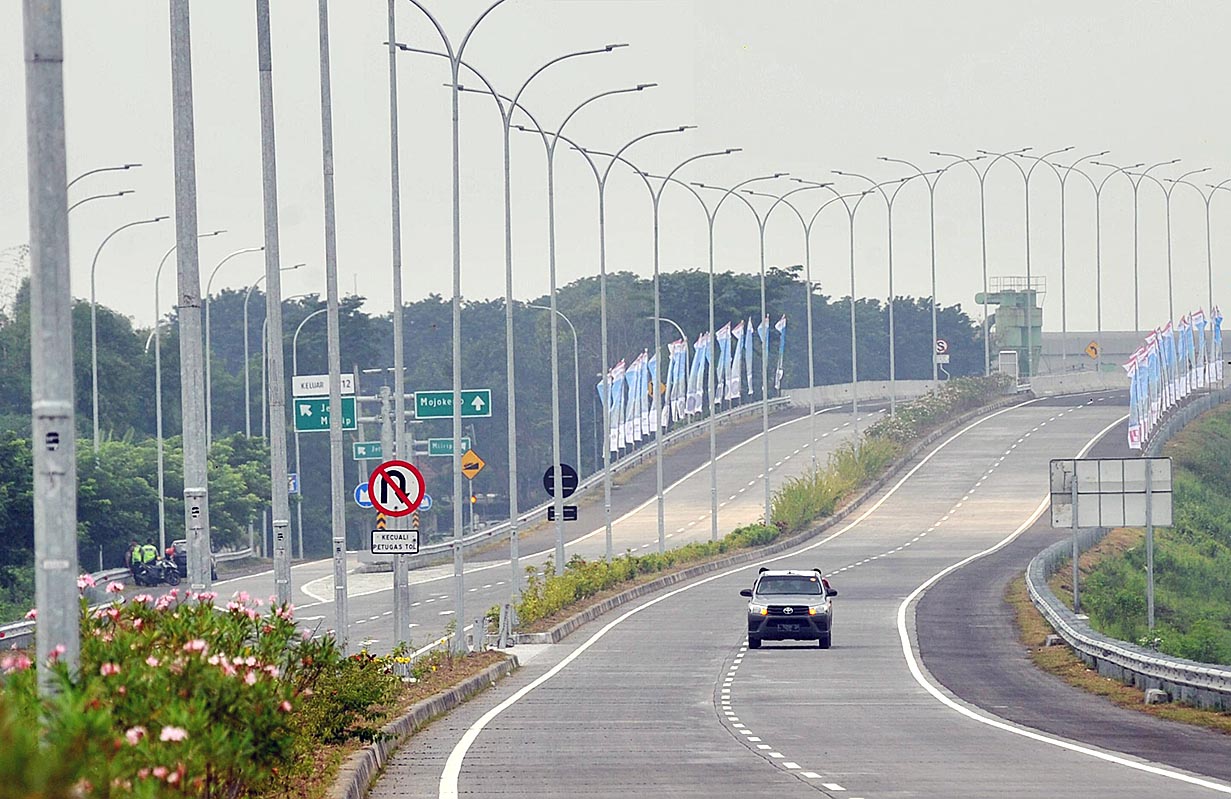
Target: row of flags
1173	362
684	386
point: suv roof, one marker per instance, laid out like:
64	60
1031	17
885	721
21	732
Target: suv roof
788	572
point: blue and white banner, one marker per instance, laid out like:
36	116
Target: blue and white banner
748	345
780	326
722	366
734	384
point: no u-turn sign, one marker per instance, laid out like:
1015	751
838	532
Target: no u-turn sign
396	488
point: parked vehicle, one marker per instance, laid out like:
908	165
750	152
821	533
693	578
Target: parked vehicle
156	573
181	559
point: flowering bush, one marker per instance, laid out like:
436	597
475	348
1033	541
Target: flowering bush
174	697
920	416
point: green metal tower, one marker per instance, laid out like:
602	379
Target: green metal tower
1018	298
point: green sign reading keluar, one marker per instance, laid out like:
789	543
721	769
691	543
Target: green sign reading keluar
439	404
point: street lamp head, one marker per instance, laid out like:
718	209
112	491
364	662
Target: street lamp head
780	175
683	128
730	150
129	166
641	86
611	47
212	233
159	218
122	192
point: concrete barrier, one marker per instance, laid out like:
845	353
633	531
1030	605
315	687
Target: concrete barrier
1078	382
869	390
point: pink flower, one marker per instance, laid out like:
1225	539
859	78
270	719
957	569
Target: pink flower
160	771
18	661
137	622
207	596
107	669
250	678
272	671
173	777
240	596
171	734
143	598
173	593
32	613
134	735
252	614
143	773
233	605
196	645
60	649
250	661
115	588
85	581
152	661
285	707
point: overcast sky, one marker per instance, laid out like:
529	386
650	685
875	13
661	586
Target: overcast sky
802	86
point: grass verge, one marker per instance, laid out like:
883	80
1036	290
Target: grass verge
1060	661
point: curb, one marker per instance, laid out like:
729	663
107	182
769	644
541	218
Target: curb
559	632
360	770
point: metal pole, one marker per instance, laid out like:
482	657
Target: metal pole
51	354
1149	544
558	499
162	494
606	364
764	376
298	470
1076	550
401	567
987	342
811	333
94	321
192	371
712	379
576	376
209	386
336	474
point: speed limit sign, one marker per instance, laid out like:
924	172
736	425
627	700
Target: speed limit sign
395	488
942	346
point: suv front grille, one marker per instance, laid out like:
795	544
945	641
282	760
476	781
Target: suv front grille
795	610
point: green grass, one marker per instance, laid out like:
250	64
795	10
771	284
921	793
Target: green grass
1192	559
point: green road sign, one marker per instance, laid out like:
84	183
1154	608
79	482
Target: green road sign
444	446
439	404
312	414
367	451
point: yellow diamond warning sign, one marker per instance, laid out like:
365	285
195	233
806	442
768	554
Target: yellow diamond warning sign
472	464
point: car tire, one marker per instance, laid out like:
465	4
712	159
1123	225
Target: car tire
753	642
824	641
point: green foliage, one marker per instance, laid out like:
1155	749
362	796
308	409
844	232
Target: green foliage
184	698
918	417
1192	559
815	494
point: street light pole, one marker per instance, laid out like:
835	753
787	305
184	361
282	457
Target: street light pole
209	387
51	350
162	498
116	168
889	198
94	320
455	57
1136	184
247	357
576	375
85	200
505	106
295	371
1167	205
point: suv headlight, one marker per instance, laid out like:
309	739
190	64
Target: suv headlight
821	608
755	607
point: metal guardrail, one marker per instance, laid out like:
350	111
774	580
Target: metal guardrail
632	460
1200	684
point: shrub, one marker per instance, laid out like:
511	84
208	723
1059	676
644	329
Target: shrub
183	698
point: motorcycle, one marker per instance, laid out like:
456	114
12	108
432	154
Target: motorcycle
158	572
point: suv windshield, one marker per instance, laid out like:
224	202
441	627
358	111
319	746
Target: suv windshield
788	584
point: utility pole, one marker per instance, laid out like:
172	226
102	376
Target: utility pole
336	475
192	356
51	352
273	316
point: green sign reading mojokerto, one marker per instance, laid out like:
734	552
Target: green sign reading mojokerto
439	404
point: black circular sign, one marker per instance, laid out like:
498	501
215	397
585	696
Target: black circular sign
568	484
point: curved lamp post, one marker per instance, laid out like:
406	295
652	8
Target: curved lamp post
807	226
116	168
298	471
94	319
505	106
247	386
1166	190
162	500
889	199
459	582
576	374
550	142
209	385
85	200
1136	184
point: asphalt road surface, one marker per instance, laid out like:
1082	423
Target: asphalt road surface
663	699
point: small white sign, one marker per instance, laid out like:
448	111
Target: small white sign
318	385
395	542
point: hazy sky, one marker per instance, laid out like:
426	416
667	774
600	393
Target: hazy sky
802	86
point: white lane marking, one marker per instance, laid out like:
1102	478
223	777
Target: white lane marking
789	764
832	786
777	755
916	671
764	746
812	775
453	764
754	739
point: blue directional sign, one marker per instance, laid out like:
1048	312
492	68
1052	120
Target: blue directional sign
361	496
426	504
292	483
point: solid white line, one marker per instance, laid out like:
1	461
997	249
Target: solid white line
916	671
453	765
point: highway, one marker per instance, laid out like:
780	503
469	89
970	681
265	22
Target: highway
635	528
663	697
